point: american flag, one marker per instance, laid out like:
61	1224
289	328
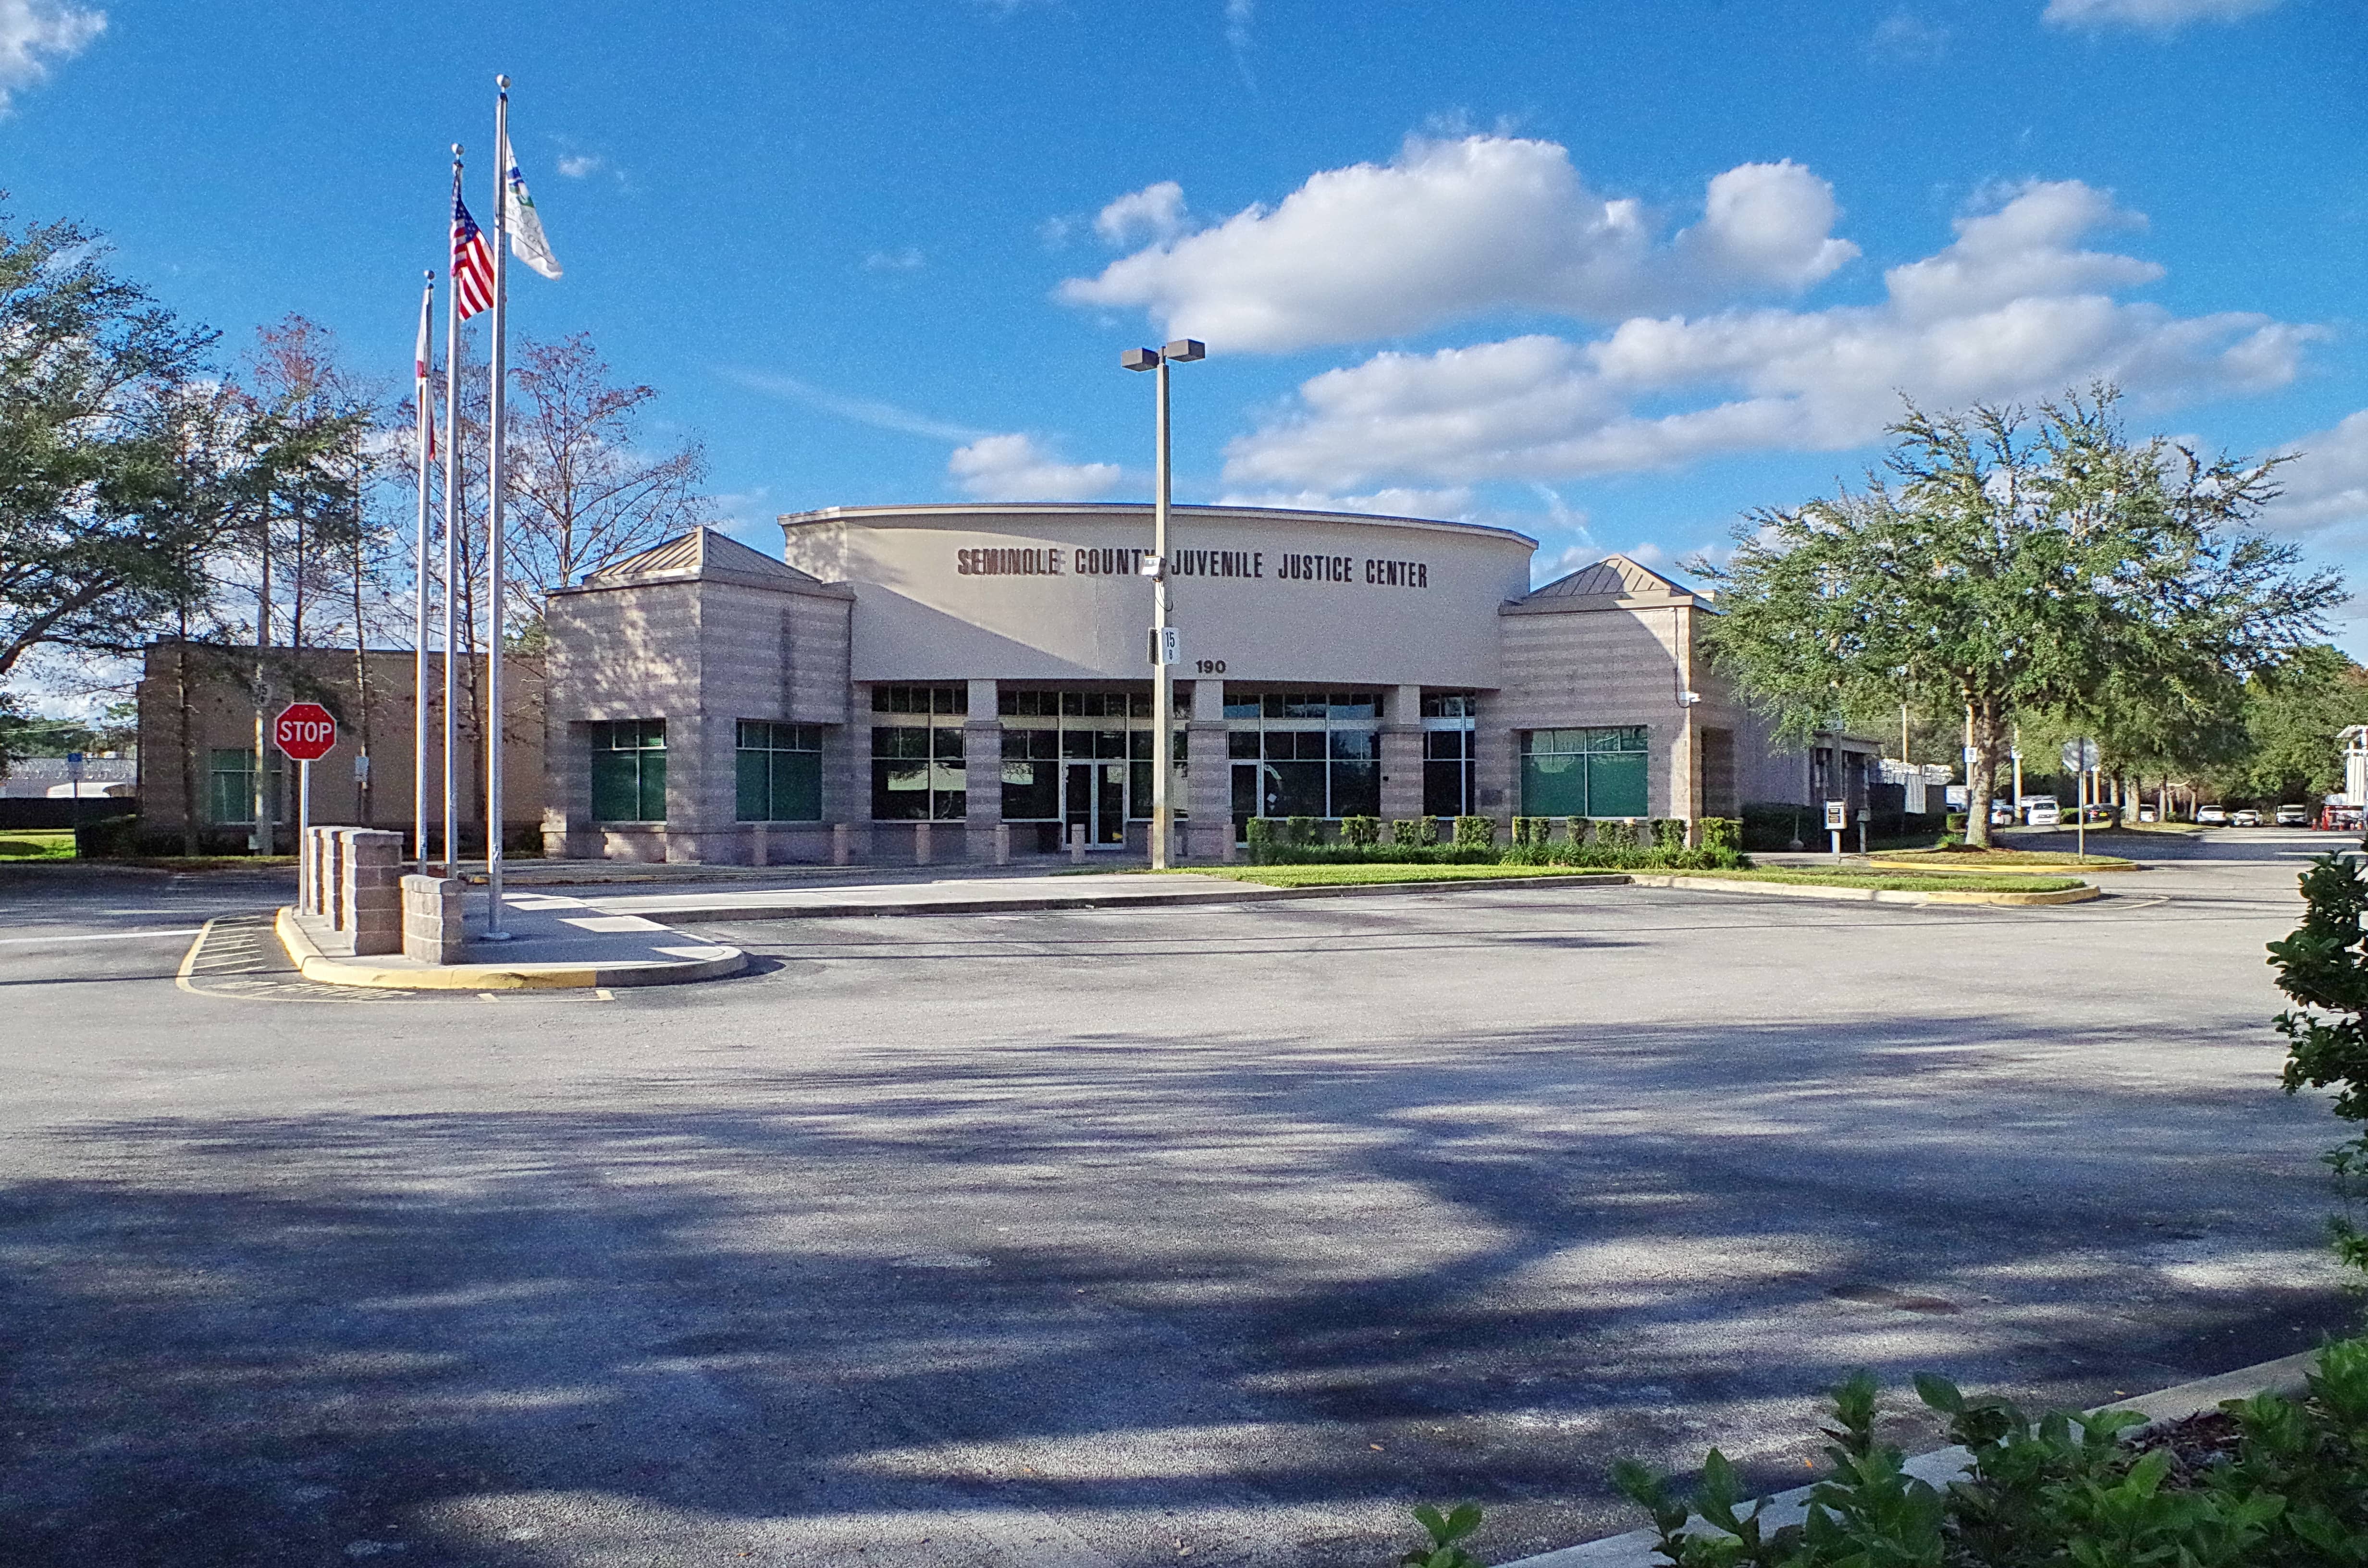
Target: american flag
472	260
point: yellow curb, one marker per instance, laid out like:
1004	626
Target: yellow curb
2025	868
1864	895
320	967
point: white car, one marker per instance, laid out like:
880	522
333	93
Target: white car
2246	818
2212	816
2294	816
2041	811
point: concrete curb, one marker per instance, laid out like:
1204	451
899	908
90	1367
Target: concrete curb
1864	895
1941	869
1240	892
1255	893
1941	1466
325	970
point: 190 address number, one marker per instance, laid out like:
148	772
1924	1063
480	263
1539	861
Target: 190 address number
1210	667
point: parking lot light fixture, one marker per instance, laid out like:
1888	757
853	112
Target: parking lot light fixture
1162	686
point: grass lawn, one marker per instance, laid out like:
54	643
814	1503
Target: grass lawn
1353	876
2001	859
37	844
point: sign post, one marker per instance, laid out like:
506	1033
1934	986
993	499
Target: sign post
304	731
2081	756
73	789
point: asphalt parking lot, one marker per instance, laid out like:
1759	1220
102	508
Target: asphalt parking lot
1215	1234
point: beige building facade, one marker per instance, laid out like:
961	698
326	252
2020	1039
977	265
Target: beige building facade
909	684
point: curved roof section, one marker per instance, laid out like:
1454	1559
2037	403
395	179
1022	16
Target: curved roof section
953	514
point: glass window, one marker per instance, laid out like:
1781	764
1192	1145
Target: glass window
1243	705
1585	773
629	770
1449	704
917	772
920	699
777	772
230	787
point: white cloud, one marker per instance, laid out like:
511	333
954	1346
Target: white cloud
2156	15
880	415
909	259
1453	229
34	34
1014	468
2326	483
1155	213
580	165
1452	503
2013	309
1904	34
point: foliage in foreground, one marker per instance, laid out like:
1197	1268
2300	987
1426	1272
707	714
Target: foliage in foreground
2064	1488
2324	966
1568	842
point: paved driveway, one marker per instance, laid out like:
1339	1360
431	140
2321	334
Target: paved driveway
1214	1234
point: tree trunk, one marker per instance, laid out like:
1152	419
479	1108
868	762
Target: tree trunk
1985	725
185	721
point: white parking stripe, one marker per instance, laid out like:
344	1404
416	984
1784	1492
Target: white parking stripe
101	937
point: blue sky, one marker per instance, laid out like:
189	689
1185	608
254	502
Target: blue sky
1607	272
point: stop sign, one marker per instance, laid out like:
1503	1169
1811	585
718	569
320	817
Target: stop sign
305	731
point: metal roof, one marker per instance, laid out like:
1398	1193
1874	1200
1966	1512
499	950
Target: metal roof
1615	579
702	554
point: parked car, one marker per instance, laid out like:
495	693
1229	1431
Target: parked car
2002	814
2212	816
2294	816
2041	811
2145	814
2246	818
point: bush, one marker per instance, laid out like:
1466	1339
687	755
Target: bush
1260	838
2324	966
1413	833
1777	824
1668	832
1615	835
1953	822
1722	833
2065	1488
1301	833
1475	832
1359	832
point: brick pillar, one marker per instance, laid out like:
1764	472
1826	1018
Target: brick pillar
432	929
373	890
1209	781
338	847
1402	757
982	772
1494	769
566	791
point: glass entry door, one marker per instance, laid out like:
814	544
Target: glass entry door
1094	797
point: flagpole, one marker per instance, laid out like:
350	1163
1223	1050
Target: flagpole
496	475
425	421
451	559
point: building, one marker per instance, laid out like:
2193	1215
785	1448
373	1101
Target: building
196	742
909	681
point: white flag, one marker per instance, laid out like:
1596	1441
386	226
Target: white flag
527	243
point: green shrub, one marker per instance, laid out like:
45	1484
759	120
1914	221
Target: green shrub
1615	835
1573	831
1953	822
2065	1488
2324	966
1413	833
1722	833
1475	832
1668	832
1301	832
1359	832
1260	839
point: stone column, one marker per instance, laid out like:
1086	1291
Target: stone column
700	797
1209	778
1402	755
982	772
1494	768
858	759
373	890
433	931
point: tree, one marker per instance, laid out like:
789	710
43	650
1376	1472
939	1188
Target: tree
586	489
2014	563
2293	713
91	373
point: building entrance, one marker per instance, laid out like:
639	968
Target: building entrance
1094	797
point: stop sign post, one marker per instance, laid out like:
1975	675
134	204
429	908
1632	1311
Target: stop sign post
304	731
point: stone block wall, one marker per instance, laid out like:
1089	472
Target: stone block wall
371	893
433	931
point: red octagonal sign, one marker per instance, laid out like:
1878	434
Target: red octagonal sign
305	731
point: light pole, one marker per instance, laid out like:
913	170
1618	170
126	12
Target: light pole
1162	640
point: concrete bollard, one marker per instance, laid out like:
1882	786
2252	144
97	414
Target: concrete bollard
1077	843
920	844
433	931
756	848
838	846
1003	844
1230	851
372	894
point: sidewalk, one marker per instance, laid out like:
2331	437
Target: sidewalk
556	943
